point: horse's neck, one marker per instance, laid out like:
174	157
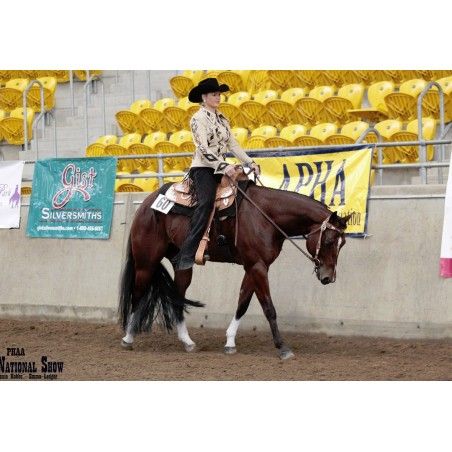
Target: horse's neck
294	213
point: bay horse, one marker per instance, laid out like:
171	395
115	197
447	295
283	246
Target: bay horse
265	218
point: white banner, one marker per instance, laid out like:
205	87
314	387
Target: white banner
10	185
446	243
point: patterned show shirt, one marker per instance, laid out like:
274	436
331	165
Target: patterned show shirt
213	138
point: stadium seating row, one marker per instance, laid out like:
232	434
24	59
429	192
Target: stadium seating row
61	76
280	80
295	106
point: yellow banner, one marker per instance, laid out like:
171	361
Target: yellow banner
338	179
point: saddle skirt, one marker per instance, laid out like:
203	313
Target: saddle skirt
180	194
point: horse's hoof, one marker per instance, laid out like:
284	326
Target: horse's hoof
126	346
190	348
230	350
286	354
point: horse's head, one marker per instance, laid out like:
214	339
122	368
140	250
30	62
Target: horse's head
324	243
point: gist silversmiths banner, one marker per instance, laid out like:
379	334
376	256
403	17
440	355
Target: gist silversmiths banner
10	184
72	198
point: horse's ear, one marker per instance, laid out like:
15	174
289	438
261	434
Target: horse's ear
344	220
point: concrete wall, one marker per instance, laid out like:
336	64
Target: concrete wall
387	284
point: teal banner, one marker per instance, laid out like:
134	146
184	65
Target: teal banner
72	198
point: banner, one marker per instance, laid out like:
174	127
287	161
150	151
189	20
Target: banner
72	198
10	185
339	179
446	242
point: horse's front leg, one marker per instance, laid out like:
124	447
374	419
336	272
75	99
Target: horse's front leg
246	293
259	273
183	280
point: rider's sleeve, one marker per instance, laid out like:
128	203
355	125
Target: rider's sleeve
238	152
209	159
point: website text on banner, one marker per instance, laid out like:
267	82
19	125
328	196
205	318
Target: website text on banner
72	198
339	179
446	243
10	185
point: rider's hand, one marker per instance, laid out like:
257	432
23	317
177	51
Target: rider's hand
255	167
230	170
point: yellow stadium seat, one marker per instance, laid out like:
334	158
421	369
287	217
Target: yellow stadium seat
25	190
358	76
323	131
349	97
97	149
231	108
291	95
387	128
131	187
258	81
181	85
350	133
277	142
255	142
176	117
2	117
245	74
410	154
190	107
81	74
172	178
376	94
166	147
12	127
11	94
146	147
34	94
195	76
265	131
130	121
264	97
233	80
163	103
121	148
280	79
403	104
430	104
281	112
148	184
241	135
119	182
153	119
61	76
310	110
330	77
253	113
306	79
184	141
292	132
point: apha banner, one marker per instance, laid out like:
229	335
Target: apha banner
72	198
339	179
446	243
10	185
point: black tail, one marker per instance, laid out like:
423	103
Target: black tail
162	300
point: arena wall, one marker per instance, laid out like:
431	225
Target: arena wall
387	284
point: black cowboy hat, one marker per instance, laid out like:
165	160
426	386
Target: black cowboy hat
208	85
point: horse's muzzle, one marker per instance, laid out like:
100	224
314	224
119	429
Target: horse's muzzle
326	280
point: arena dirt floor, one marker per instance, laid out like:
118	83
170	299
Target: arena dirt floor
92	351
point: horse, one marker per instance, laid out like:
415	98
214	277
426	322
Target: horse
265	218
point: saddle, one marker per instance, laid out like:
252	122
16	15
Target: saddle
181	193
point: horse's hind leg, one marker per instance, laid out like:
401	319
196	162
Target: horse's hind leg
182	280
259	272
246	293
143	277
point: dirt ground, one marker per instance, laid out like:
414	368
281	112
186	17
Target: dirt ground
92	351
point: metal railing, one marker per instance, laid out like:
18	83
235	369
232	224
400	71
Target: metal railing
42	114
85	90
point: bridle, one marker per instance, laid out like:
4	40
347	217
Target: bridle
325	225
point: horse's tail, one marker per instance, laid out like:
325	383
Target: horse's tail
161	301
